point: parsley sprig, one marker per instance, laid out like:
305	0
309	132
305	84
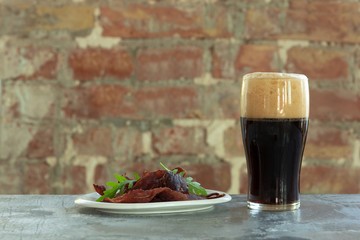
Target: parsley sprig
194	187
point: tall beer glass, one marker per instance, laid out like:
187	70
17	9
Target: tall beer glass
274	123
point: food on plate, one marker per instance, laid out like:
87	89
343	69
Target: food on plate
158	186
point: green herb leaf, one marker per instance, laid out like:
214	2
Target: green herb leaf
137	177
194	187
189	179
165	168
116	187
120	178
174	171
110	193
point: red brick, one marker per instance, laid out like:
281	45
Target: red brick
135	166
315	21
318	64
11	179
41	146
231	61
92	63
154	21
229	105
37	178
172	63
14	139
74	180
29	63
328	143
298	4
94	141
262	23
211	176
257	58
176	102
101	174
219	65
334	105
95	102
179	140
324	21
104	101
220	101
223	58
22	19
329	180
233	144
356	66
128	143
78	177
39	102
20	140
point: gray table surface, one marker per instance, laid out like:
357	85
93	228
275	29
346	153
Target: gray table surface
57	217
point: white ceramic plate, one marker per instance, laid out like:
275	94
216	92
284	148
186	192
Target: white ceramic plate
89	200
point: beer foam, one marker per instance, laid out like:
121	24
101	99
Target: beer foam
274	95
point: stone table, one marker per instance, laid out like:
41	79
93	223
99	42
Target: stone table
57	217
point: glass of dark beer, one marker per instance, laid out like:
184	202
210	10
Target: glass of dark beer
274	123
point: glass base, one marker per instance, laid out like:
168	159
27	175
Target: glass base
273	207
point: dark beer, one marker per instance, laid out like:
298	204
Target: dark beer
274	149
274	122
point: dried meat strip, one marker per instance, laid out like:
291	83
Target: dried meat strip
162	178
157	186
215	195
146	196
99	189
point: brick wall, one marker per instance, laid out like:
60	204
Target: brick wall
91	88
